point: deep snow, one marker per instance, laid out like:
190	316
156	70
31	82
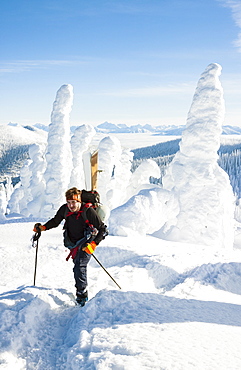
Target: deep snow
179	306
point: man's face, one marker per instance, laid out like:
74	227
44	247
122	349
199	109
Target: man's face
73	205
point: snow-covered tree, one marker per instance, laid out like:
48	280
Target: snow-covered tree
58	156
36	183
203	189
25	175
140	178
21	194
143	213
122	175
16	196
148	209
80	142
9	187
231	163
115	172
109	153
3	202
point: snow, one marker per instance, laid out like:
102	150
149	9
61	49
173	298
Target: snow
14	143
197	198
179	302
179	306
36	183
144	213
80	142
109	153
58	156
203	189
3	202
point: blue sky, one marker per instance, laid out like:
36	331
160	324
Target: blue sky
129	61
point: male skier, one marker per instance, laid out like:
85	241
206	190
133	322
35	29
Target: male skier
79	219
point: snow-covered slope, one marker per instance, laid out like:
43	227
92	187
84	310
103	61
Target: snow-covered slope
179	306
14	143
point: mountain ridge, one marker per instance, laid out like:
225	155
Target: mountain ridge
121	128
169	130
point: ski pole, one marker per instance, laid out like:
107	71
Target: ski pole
106	271
35	268
35	239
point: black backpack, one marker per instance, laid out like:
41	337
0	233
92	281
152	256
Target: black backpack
91	196
92	199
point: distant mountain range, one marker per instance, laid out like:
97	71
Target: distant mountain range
111	128
107	127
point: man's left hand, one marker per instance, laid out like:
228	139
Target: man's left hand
89	248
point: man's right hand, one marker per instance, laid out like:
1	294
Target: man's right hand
38	227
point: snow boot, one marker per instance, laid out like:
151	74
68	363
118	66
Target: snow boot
81	298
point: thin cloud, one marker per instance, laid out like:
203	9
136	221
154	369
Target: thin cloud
235	7
89	9
19	66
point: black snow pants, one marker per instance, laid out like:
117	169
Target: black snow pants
80	270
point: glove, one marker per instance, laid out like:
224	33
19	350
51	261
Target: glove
89	248
38	227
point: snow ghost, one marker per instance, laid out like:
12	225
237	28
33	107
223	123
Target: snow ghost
36	183
109	150
58	156
202	188
143	213
3	202
80	142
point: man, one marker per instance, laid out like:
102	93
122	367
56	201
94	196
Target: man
79	221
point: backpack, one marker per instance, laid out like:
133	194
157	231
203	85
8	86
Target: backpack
89	199
91	196
89	233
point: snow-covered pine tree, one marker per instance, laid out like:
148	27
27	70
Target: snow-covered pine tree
58	155
36	183
3	202
203	189
80	142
